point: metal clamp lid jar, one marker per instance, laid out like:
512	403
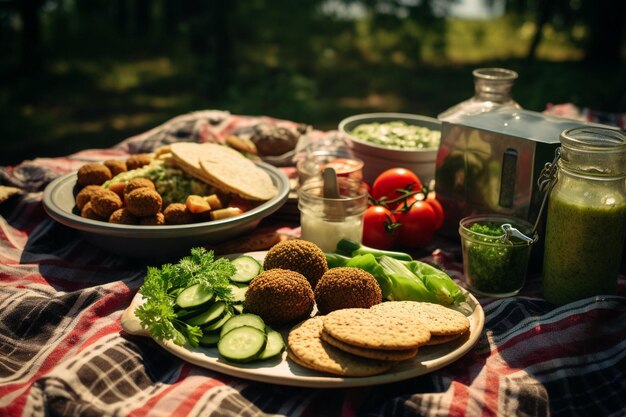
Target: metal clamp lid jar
586	215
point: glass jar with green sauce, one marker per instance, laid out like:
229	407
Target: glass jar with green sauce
586	217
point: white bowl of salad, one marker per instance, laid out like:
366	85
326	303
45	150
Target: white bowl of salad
390	140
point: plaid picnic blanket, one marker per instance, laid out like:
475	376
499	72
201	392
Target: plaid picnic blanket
63	351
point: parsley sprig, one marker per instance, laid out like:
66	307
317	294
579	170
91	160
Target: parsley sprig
158	313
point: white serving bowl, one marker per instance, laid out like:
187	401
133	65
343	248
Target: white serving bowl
378	158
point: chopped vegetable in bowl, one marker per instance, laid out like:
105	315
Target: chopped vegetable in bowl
493	266
397	135
173	184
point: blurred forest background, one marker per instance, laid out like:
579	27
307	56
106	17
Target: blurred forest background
79	74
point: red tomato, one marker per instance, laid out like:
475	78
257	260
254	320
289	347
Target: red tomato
388	182
418	223
436	205
379	228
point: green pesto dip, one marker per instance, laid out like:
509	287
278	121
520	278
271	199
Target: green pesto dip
397	135
583	250
493	267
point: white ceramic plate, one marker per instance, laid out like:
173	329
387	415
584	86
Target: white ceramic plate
157	241
285	372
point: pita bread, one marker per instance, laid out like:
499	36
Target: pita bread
225	169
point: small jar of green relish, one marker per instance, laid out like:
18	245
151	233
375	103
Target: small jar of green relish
494	261
586	217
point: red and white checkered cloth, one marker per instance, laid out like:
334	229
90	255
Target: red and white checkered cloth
63	351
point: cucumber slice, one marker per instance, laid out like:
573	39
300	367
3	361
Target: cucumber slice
194	296
247	319
238	293
242	344
187	314
246	269
238	308
213	313
209	339
217	324
275	345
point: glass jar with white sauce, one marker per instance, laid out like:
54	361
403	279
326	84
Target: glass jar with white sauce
326	220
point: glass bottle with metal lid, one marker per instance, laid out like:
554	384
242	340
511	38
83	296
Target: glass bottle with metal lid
586	216
492	89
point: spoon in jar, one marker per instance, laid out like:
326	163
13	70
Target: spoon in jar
332	208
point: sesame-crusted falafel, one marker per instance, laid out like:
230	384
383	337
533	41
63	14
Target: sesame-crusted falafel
105	202
156	220
177	213
346	287
123	216
280	296
88	213
298	255
144	202
138	160
116	166
84	195
93	173
135	183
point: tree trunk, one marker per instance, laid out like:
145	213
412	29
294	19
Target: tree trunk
221	19
142	16
544	15
606	31
31	59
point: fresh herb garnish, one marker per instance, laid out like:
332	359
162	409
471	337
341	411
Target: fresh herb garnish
158	313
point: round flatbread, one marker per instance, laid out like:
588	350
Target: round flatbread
378	354
439	320
225	169
306	348
366	328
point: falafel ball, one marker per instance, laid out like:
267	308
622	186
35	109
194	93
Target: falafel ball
280	296
88	212
116	166
84	195
105	202
156	220
139	160
123	216
138	183
347	287
298	255
144	202
177	213
93	173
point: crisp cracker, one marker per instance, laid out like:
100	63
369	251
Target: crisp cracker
440	320
366	328
306	348
440	340
378	354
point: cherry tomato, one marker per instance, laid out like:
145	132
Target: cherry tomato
418	223
436	205
393	179
379	226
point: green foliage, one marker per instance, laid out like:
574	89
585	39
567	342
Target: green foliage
157	314
112	70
